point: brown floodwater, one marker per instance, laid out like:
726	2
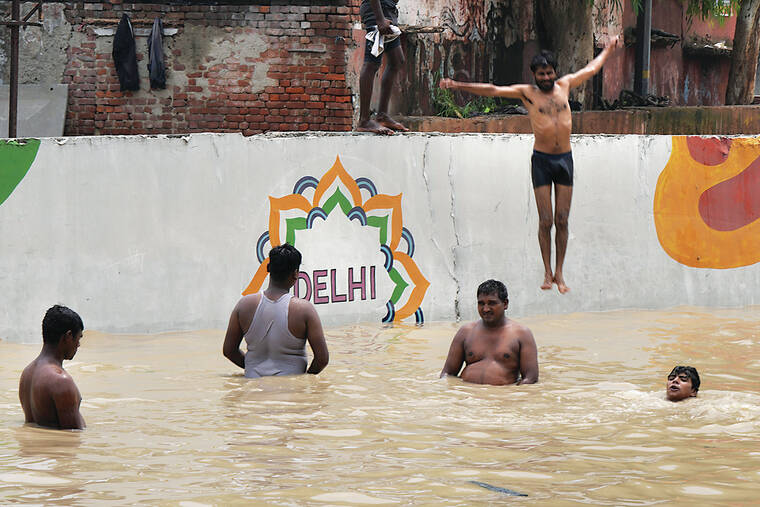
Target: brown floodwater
171	422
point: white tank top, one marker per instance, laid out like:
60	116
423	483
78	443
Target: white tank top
272	348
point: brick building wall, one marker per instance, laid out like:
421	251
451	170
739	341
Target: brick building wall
234	66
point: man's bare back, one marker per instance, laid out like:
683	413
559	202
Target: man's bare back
47	393
495	350
49	396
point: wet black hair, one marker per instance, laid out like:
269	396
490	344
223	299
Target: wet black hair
543	59
57	321
283	260
691	372
493	287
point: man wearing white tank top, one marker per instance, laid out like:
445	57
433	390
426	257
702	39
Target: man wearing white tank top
276	325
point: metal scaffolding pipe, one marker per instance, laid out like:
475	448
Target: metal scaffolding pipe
13	99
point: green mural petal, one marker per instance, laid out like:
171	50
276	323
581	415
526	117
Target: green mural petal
401	285
16	158
337	199
292	225
382	224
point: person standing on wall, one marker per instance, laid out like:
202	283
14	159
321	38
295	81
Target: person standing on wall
276	325
380	19
552	161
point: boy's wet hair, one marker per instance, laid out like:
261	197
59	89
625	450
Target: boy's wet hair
283	260
493	287
691	372
543	59
57	321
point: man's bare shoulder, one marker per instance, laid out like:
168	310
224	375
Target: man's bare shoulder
301	307
50	378
466	330
519	330
530	92
248	303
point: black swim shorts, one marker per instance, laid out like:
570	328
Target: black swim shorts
548	168
368	20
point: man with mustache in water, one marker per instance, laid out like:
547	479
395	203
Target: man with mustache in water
552	161
497	350
47	393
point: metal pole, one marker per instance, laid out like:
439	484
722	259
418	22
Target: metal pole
643	48
647	46
13	99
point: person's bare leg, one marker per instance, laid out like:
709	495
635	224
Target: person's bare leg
394	65
366	83
563	195
545	221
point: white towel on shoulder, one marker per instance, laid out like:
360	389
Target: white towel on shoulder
379	40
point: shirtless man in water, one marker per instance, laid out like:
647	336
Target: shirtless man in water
552	161
48	394
497	350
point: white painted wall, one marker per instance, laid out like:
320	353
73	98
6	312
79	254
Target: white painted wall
150	234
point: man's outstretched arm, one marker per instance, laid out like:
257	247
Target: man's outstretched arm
485	89
456	355
578	78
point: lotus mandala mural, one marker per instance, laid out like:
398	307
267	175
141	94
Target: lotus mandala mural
359	200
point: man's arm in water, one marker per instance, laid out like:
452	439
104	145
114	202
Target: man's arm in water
528	359
316	338
66	398
486	89
232	339
456	354
578	78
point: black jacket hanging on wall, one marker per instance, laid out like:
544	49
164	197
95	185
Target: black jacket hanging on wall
125	55
156	68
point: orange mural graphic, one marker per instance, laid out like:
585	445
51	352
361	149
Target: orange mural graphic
707	202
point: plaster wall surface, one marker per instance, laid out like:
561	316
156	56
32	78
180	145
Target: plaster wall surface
157	233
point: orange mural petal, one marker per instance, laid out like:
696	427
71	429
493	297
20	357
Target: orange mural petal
258	279
392	202
705	211
337	171
420	286
278	204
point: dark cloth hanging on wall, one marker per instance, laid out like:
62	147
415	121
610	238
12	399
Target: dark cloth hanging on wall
125	55
156	68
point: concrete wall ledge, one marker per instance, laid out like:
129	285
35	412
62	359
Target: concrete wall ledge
718	120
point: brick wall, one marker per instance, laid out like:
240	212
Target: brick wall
247	67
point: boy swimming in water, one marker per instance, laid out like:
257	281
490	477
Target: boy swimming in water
683	382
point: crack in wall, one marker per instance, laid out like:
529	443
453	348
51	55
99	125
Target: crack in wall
455	249
450	269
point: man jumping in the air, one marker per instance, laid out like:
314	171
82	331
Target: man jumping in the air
552	161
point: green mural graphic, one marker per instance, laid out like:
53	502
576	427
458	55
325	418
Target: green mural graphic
16	157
